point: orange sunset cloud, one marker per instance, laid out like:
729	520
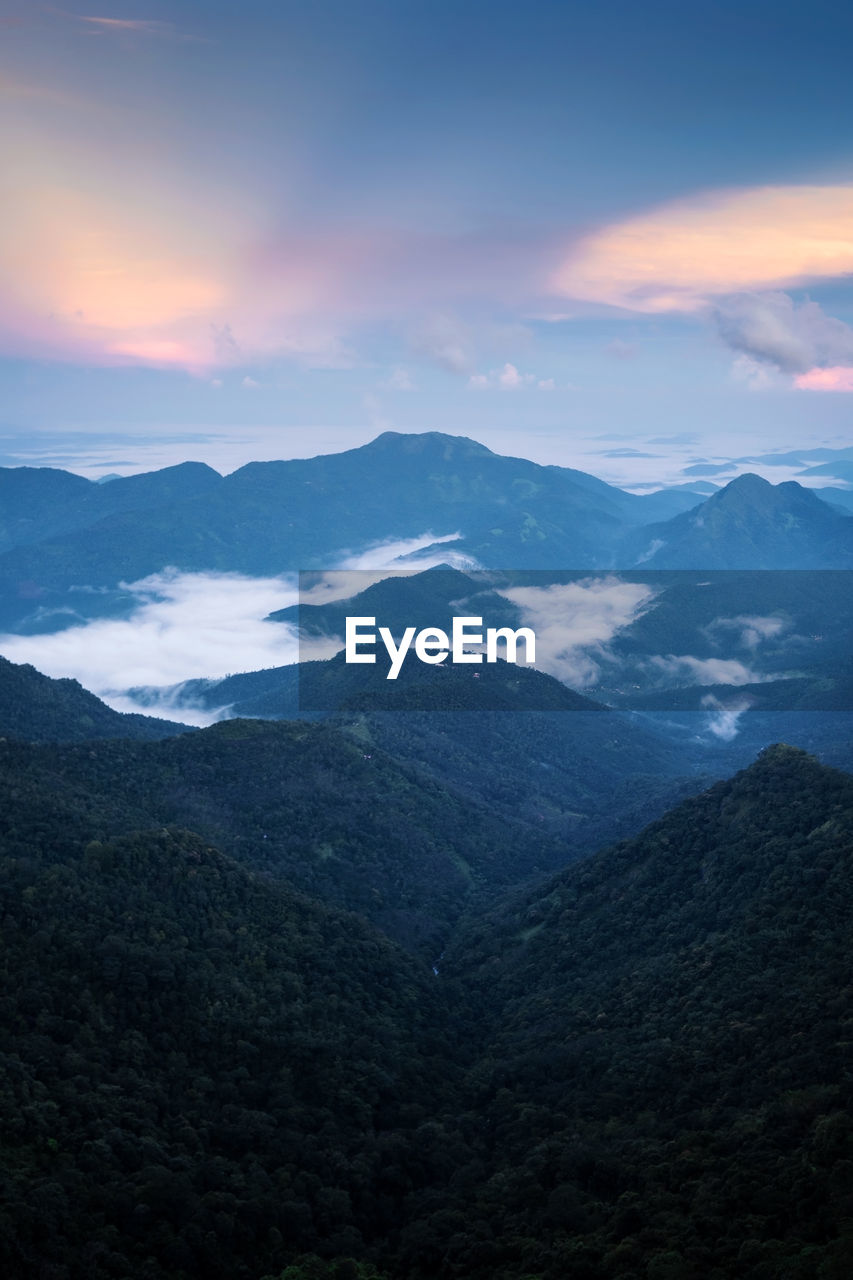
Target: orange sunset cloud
678	256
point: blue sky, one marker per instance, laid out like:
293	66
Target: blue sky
264	230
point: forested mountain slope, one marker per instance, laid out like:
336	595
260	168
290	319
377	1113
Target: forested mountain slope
308	805
35	708
639	1069
665	1084
38	503
512	739
203	1073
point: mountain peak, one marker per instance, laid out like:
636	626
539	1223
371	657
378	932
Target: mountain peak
753	487
746	486
752	524
426	441
183	469
781	758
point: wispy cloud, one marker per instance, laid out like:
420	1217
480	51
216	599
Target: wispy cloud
706	670
447	343
794	338
458	346
751	629
724	716
117	269
550	317
98	24
683	254
386	555
731	254
398	380
144	26
755	375
574	623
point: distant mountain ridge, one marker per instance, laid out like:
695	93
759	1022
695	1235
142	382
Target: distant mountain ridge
273	517
750	524
77	541
37	503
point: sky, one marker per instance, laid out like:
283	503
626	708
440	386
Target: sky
580	232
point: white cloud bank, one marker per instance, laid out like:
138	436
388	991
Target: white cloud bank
508	379
191	625
185	625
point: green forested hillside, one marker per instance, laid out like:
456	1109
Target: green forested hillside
666	1083
203	1073
638	1069
39	503
38	709
494	799
568	768
316	808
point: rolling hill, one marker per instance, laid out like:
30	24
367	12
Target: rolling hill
204	1072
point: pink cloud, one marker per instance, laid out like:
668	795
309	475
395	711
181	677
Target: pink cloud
839	378
157	351
119	249
680	255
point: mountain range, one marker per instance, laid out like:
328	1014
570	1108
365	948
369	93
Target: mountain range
68	545
583	777
666	1084
459	977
